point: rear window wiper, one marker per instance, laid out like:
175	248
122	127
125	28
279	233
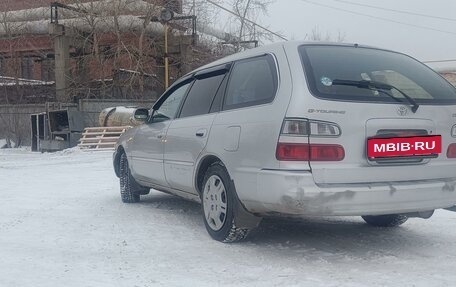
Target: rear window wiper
372	85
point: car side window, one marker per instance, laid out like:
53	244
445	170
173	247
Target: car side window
253	82
217	102
201	96
169	108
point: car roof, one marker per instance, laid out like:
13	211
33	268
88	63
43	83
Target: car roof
270	47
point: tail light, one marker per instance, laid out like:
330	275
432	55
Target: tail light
309	152
300	127
294	143
451	152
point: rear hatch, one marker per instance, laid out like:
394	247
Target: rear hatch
409	148
394	116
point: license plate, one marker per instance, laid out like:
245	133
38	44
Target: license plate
404	147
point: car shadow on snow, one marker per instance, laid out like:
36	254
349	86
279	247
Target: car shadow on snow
163	201
340	236
337	236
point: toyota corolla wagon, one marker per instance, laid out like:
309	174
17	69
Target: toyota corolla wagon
299	129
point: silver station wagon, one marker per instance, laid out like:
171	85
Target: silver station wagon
299	129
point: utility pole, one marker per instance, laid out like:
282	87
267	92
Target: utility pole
166	15
166	57
194	8
63	37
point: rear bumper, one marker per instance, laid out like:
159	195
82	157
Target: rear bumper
295	193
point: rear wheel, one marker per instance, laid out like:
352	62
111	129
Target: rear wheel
390	220
218	200
130	190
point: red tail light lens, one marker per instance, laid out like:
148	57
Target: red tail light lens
451	152
309	152
292	152
321	152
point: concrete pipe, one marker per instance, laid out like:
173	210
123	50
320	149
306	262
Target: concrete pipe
123	116
103	17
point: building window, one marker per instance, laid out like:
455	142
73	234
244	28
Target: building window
27	68
2	67
47	70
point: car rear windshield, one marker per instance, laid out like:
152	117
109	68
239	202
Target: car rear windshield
351	73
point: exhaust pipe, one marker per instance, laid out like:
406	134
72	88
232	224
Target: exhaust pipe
452	208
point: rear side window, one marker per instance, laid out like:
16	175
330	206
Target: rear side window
253	82
201	95
349	73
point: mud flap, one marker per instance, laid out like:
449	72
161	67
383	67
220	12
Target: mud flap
242	217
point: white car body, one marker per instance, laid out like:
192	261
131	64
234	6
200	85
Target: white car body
172	155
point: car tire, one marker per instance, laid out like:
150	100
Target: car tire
130	190
390	220
218	200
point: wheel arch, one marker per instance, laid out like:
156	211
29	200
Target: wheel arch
120	150
203	166
243	218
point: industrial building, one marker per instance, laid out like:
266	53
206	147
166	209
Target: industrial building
84	56
70	50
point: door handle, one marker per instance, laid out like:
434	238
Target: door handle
201	133
160	136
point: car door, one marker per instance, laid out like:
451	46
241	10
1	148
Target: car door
244	133
149	140
187	135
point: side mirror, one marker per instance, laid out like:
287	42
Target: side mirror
141	115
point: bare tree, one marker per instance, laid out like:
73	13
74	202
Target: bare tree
317	35
116	47
207	48
251	10
237	18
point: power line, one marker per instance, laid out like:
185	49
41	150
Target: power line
396	11
247	20
378	18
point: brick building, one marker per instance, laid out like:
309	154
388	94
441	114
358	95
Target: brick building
120	55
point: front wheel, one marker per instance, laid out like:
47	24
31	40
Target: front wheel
218	200
130	190
390	220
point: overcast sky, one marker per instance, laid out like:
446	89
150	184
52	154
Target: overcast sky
296	18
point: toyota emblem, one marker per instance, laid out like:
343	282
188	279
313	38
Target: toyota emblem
402	110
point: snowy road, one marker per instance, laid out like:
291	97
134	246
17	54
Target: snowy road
62	224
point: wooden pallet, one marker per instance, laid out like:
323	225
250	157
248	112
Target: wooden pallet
101	138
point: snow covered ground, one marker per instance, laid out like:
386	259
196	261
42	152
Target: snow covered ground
62	224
